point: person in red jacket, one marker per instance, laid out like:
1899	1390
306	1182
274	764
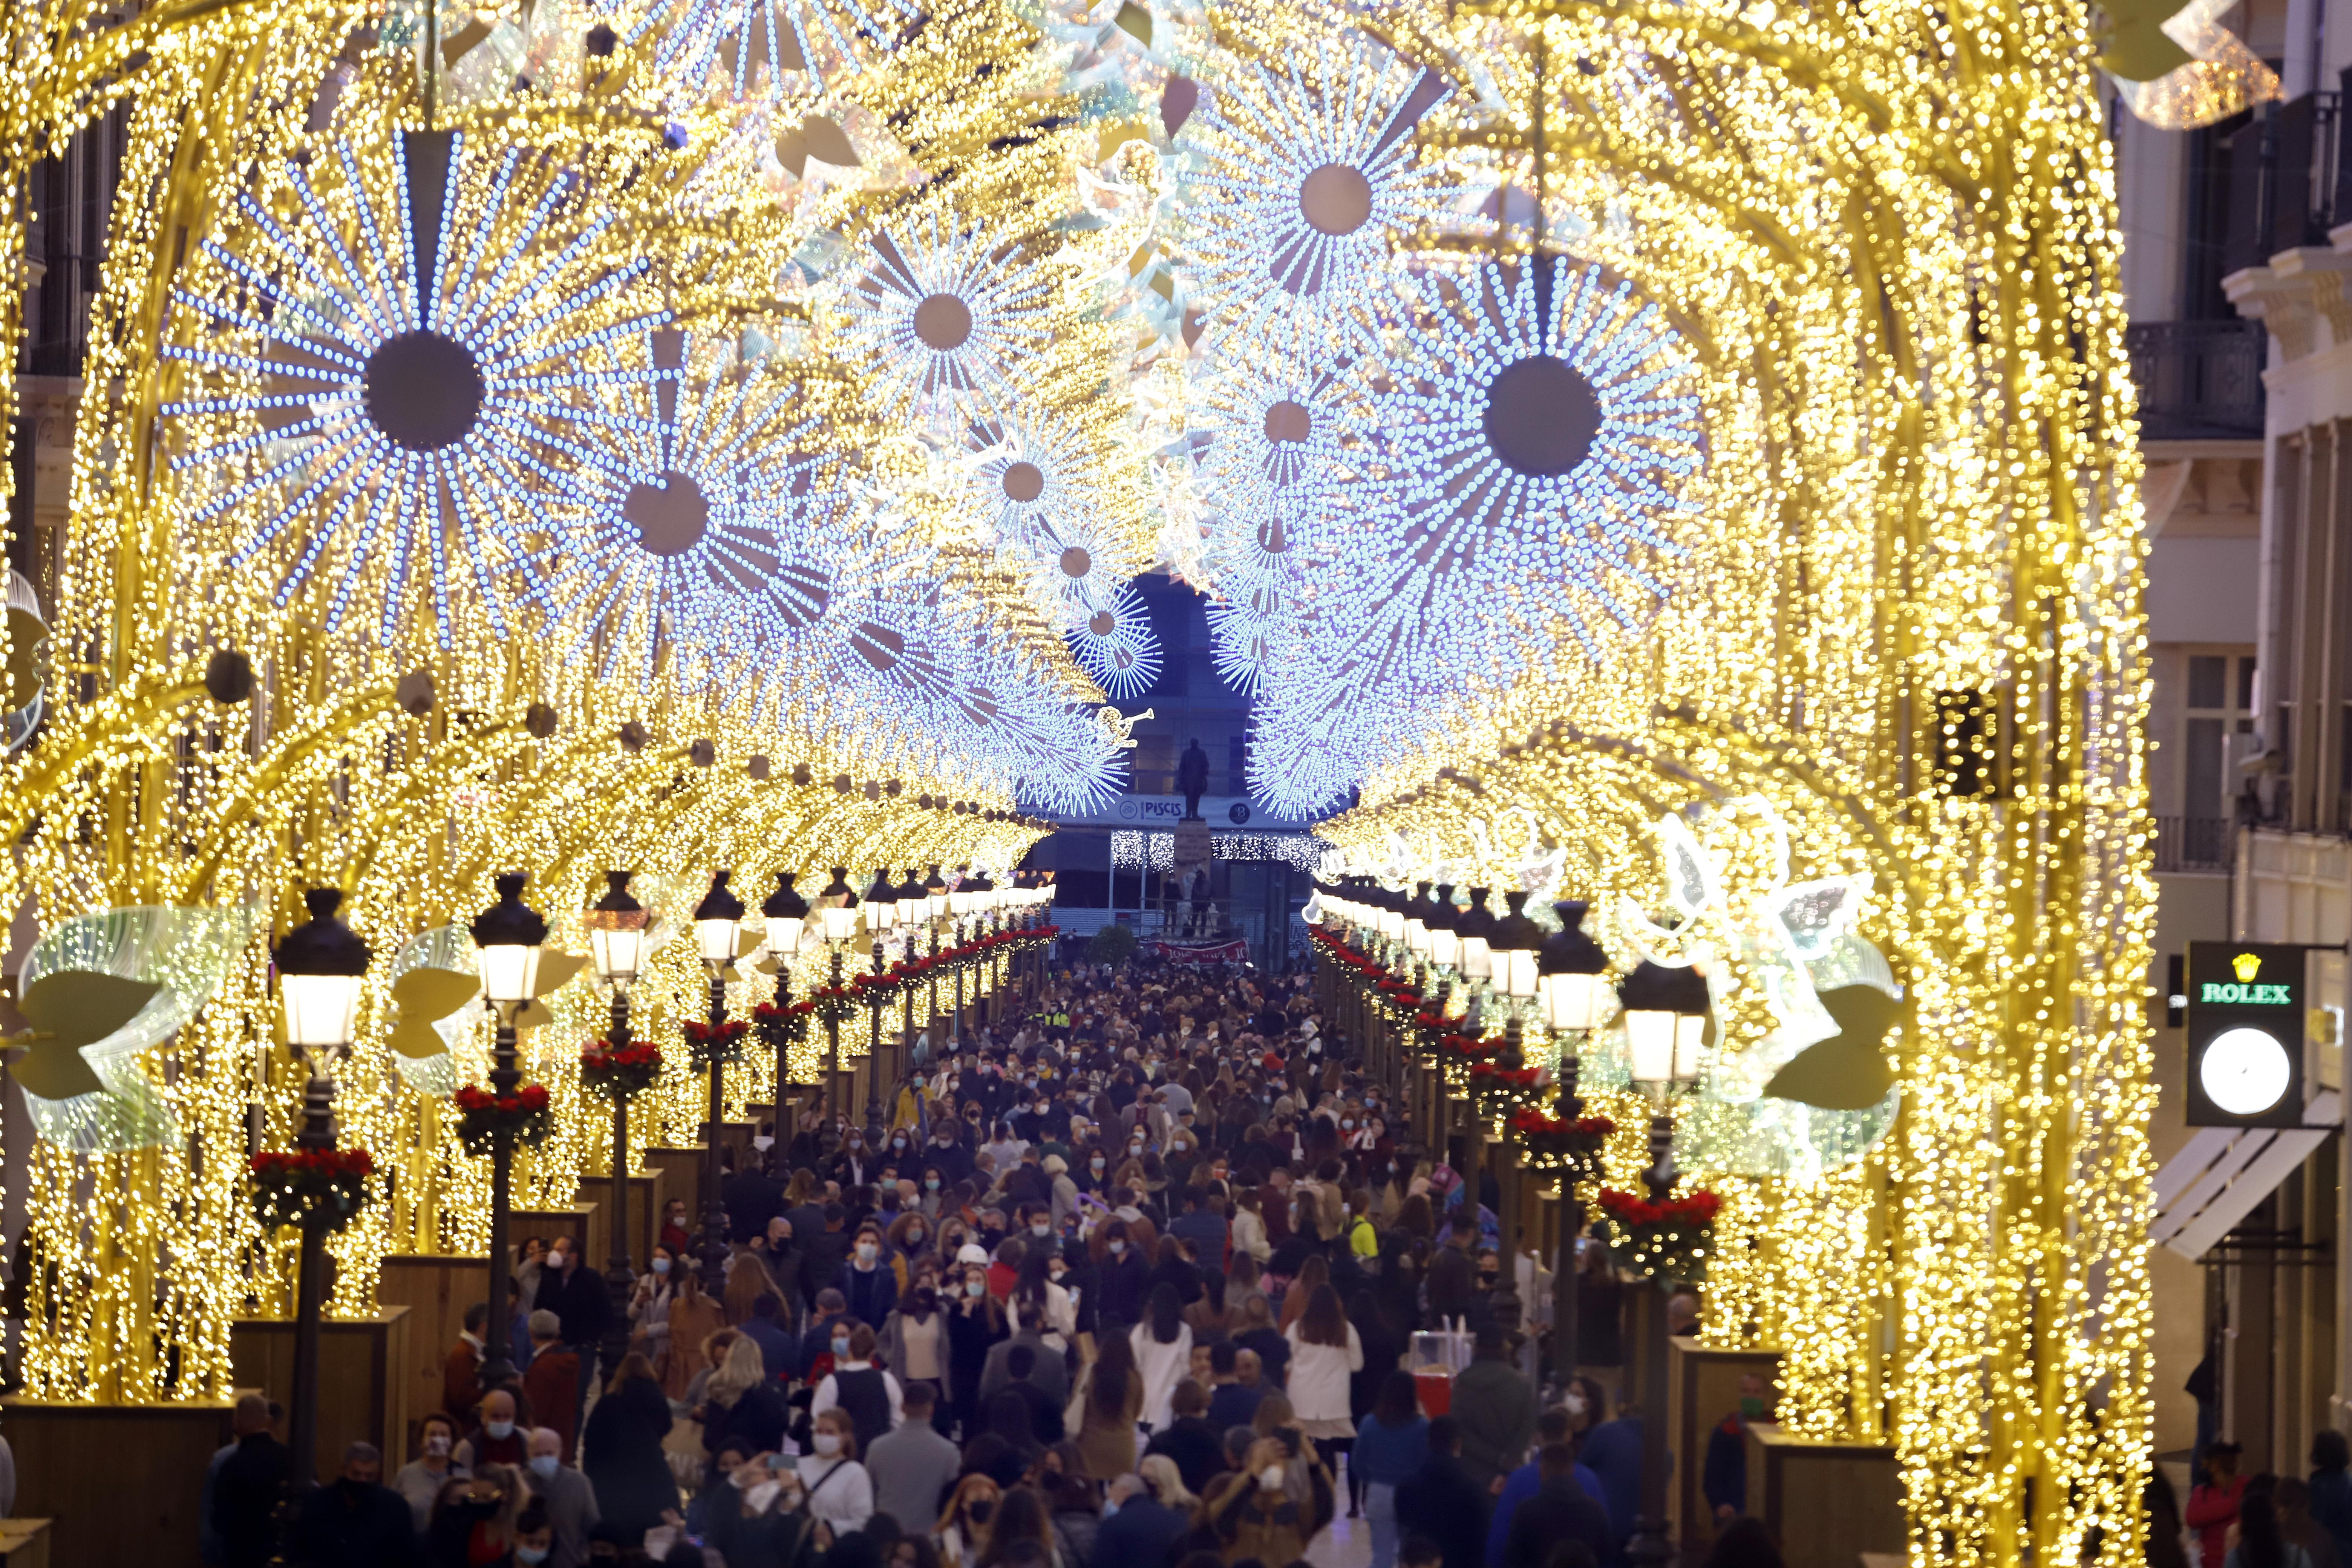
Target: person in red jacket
2213	1502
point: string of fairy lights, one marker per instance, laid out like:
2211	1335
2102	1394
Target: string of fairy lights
676	436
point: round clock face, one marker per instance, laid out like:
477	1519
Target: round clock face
2244	1071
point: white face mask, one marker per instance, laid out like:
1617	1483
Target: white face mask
661	1265
555	1261
1116	1247
438	1444
865	1252
828	1444
1270	1477
543	1464
1041	1231
1575	1404
499	1431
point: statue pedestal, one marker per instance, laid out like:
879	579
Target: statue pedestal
1193	843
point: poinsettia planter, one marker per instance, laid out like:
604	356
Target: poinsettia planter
525	1113
1669	1240
619	1074
291	1186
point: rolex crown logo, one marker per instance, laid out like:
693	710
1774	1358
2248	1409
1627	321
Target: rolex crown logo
2247	965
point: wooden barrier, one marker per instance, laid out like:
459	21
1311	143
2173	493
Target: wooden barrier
363	1379
1825	1502
1702	1388
24	1543
647	1191
76	1466
437	1291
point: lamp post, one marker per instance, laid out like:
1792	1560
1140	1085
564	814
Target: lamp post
787	915
321	966
616	945
935	905
837	908
1665	1022
509	936
1567	975
716	921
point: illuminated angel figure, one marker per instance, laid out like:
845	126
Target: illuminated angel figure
1536	425
754	44
675	508
943	322
372	364
1116	646
1816	1089
1301	177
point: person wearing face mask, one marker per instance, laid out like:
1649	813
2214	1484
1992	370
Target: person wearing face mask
932	1197
1272	1506
650	1304
854	1164
476	1527
869	1286
838	1490
1724	1479
421	1479
535	1536
496	1439
976	1325
870	1397
566	1498
966	1525
355	1518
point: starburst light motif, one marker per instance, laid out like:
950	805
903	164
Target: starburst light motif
1116	646
941	320
668	535
369	368
1301	177
756	45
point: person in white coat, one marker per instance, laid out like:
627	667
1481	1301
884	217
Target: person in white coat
1325	1351
1163	1353
840	1493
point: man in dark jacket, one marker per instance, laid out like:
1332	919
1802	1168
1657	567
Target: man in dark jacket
1044	1413
1189	1439
821	1249
1137	1529
576	1294
1559	1511
245	1493
1454	1273
354	1522
1443	1503
750	1200
1495	1406
867	1285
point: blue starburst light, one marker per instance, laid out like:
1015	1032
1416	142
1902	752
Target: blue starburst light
372	368
942	321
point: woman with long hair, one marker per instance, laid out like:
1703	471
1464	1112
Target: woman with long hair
1315	1272
975	1323
1110	1401
621	1450
915	1339
1209	1320
1249	1226
474	1522
1162	1343
743	1401
1021	1516
969	1519
693	1319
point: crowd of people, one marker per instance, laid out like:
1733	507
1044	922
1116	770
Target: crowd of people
1129	1282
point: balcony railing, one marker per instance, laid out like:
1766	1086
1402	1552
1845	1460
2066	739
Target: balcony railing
2198	380
2193	843
2287	173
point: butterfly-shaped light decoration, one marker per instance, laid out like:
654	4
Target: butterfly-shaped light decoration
24	683
1816	1090
99	989
435	981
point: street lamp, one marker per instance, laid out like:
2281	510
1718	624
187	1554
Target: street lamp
1514	950
1666	1010
787	915
1474	929
881	903
509	936
1417	911
837	908
716	921
616	925
320	967
1444	923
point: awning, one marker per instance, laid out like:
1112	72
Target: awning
2222	1173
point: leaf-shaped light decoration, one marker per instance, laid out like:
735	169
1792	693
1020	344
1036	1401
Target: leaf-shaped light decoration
24	683
1848	1071
81	983
2176	68
434	981
556	968
1816	914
